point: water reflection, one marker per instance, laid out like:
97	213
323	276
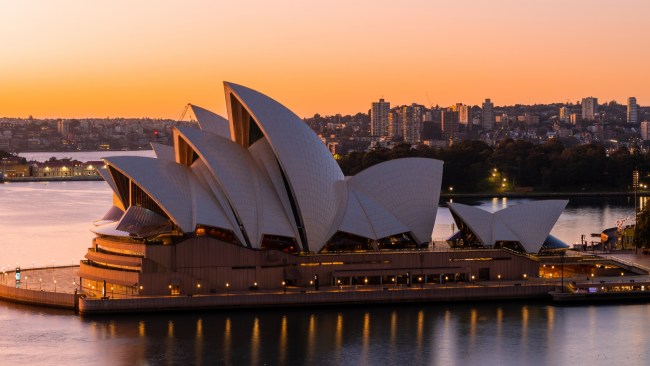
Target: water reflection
484	333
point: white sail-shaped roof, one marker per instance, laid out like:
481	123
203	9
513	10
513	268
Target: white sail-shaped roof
529	223
268	166
407	188
203	174
232	169
310	170
163	151
210	121
166	182
479	221
265	172
356	220
248	192
107	177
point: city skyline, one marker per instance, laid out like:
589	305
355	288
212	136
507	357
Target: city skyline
72	59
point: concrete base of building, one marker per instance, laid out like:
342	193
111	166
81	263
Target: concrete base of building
328	296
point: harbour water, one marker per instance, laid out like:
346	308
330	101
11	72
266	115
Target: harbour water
455	334
47	223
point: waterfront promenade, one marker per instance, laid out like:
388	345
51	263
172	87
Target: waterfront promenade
59	287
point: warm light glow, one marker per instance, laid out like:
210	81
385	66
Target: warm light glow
99	56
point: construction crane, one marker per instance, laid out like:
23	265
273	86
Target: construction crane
185	111
428	99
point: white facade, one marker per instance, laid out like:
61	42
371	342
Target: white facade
528	224
263	173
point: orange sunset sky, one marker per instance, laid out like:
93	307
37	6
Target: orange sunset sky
142	58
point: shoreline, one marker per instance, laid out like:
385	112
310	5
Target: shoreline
442	195
90	178
545	194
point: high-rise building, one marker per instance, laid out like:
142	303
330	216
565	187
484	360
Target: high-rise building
488	115
589	108
379	118
449	122
411	123
565	114
632	111
465	116
63	126
395	123
645	130
575	118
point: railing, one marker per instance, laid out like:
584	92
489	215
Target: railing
627	263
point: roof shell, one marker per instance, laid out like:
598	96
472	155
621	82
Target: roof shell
408	189
529	223
311	171
210	121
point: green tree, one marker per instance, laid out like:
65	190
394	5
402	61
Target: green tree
466	165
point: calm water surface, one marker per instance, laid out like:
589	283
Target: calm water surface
460	334
44	222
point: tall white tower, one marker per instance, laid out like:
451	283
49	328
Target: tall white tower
632	111
379	118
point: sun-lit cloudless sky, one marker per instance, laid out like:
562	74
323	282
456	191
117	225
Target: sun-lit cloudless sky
65	58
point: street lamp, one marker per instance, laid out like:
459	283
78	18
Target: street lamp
635	184
562	270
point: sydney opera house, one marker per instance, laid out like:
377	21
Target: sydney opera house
256	201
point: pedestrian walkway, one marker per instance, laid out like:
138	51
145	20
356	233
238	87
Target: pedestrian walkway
52	279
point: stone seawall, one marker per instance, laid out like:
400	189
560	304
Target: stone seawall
40	298
329	296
